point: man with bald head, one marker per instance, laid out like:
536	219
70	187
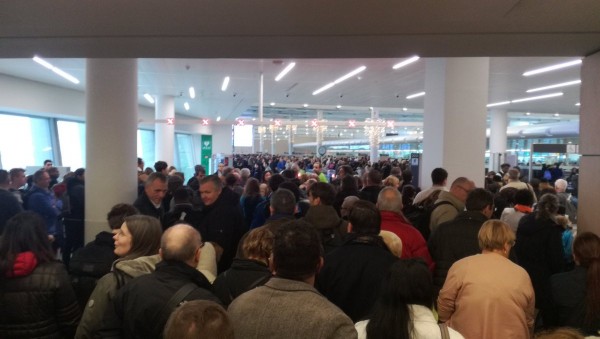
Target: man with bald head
145	303
450	204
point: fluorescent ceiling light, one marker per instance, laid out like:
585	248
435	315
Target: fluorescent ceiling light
553	67
186	106
192	92
562	84
149	98
416	95
498	103
578	104
556	114
56	70
272	104
285	71
551	95
326	87
225	84
404	109
345	77
305	105
219	118
338	106
405	62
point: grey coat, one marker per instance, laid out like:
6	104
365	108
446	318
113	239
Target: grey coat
284	308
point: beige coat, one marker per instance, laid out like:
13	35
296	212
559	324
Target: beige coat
487	296
289	309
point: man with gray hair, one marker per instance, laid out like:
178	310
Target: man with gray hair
450	204
389	203
566	200
513	181
145	303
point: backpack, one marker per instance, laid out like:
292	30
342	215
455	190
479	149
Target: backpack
87	265
420	214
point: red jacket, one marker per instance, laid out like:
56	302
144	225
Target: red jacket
413	243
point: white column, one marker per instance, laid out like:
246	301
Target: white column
374	140
273	141
498	125
164	137
111	139
261	113
588	212
319	131
454	120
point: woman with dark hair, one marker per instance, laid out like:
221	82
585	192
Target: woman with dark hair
576	294
250	199
403	309
539	250
37	299
136	244
348	187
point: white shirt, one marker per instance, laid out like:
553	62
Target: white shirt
425	325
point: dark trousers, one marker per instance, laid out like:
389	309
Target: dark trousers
74	230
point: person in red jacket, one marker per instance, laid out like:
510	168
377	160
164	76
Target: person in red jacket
390	207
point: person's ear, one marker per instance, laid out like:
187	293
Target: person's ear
272	265
197	255
160	253
349	227
320	264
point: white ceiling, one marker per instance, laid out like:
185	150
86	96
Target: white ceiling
327	39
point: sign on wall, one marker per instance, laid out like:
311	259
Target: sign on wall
206	151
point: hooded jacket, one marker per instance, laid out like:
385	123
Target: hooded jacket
37	300
329	225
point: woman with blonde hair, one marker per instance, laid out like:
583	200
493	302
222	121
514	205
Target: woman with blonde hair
136	244
486	295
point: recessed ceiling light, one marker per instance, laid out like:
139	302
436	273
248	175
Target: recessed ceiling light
562	84
551	95
404	109
56	70
552	68
253	119
192	92
527	113
285	71
498	103
186	106
416	95
556	114
578	104
305	105
272	104
225	84
405	62
219	118
149	98
338	106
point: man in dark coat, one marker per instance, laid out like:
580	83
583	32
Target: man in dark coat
323	216
458	238
9	205
372	186
352	275
221	223
150	201
142	304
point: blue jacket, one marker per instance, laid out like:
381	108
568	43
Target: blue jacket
42	202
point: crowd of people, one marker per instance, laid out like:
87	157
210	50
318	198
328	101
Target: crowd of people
299	247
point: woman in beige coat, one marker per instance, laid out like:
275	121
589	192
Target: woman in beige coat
486	295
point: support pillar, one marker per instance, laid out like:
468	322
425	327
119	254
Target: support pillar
261	113
374	139
588	212
111	132
319	130
498	126
454	120
164	141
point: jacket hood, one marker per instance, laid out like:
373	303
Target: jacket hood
139	266
529	225
24	264
323	217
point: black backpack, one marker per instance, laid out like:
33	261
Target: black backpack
420	214
87	265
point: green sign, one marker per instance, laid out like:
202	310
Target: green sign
206	151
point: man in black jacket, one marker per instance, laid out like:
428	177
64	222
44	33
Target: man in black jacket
150	201
144	304
458	238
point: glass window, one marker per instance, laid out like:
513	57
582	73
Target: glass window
184	155
145	146
24	141
71	138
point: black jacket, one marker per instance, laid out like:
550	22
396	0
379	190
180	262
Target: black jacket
370	193
243	276
352	275
223	224
139	304
540	252
452	241
146	207
39	305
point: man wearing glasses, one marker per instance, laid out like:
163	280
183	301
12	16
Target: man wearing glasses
450	204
